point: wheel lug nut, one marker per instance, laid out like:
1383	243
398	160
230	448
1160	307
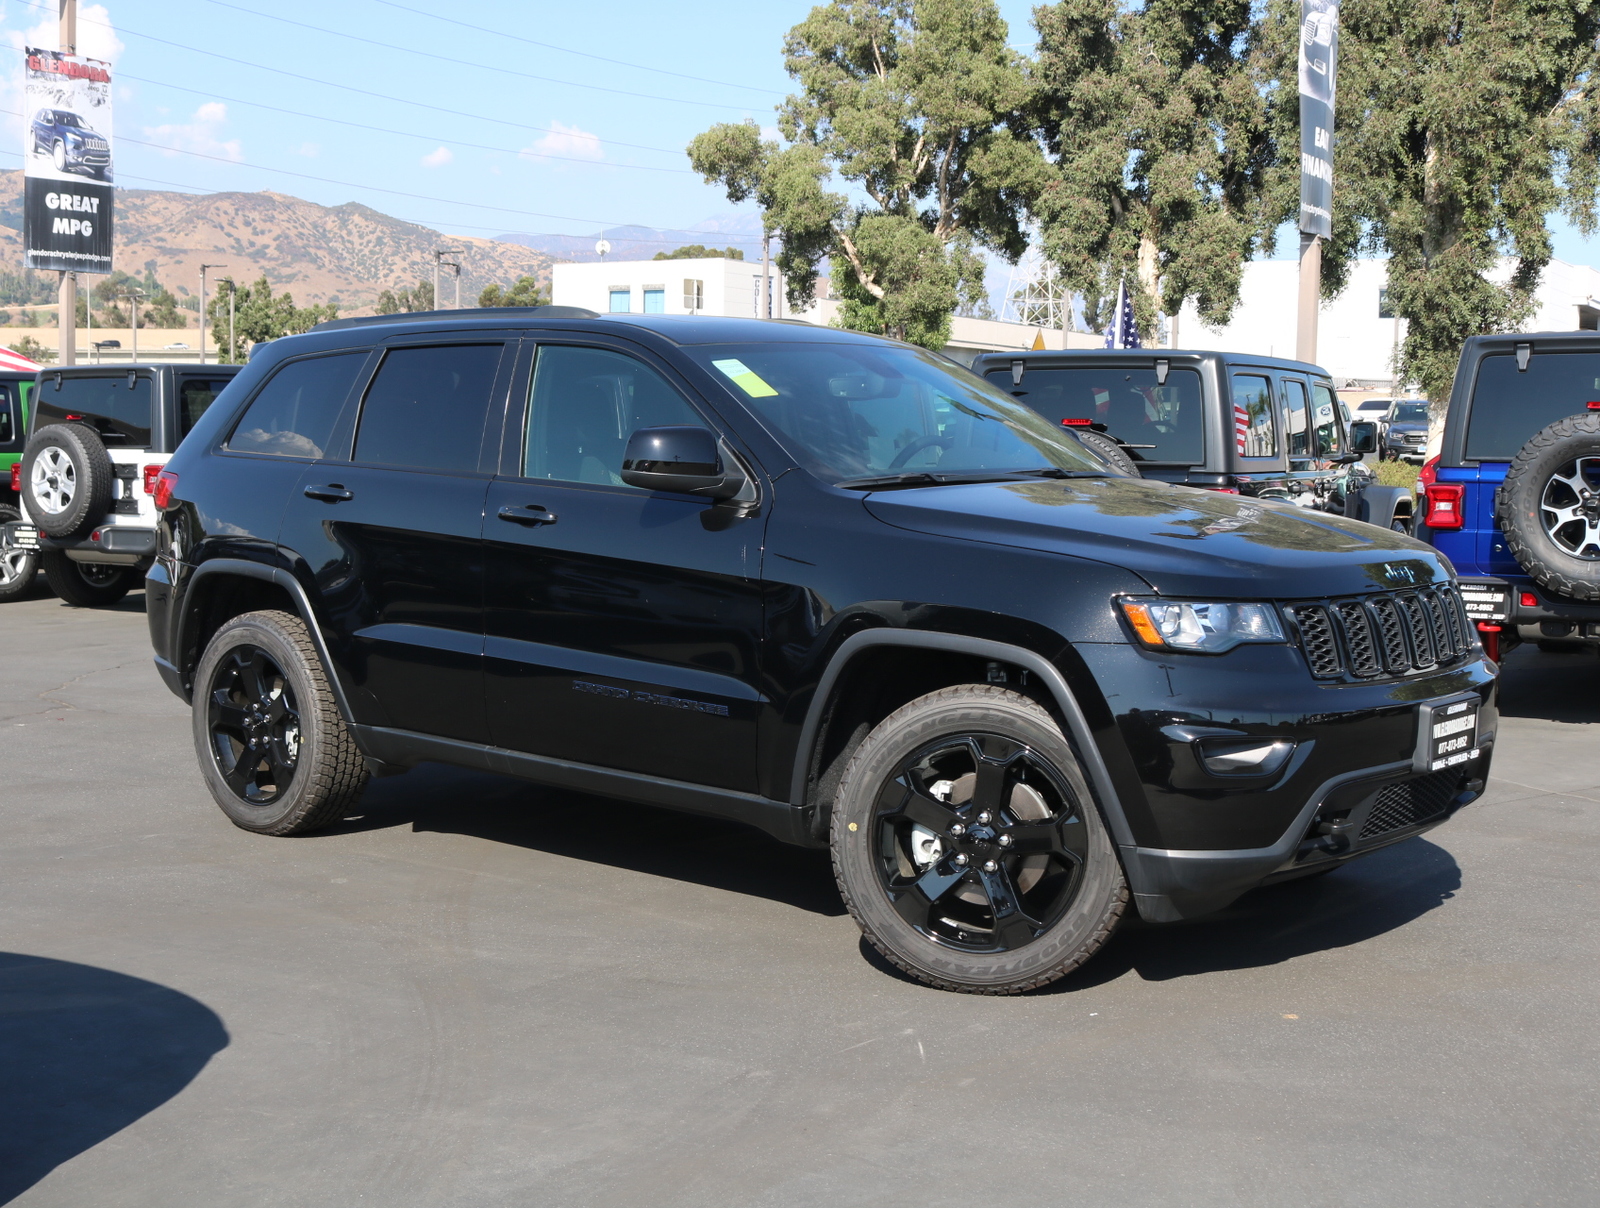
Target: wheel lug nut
985	816
990	866
958	830
1005	840
961	859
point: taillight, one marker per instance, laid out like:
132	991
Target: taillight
1429	472
151	473
1529	600
16	478
1070	422
166	480
1442	501
1225	490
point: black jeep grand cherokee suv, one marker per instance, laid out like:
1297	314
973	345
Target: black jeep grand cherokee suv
823	583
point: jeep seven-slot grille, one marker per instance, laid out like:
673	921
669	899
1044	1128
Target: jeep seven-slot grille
1389	633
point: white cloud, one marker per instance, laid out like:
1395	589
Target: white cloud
201	134
568	142
309	150
771	134
96	40
438	157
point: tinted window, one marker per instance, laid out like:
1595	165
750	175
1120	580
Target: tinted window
194	396
857	411
1325	420
586	403
117	409
294	414
426	407
1508	407
1129	402
1294	406
1254	432
10	421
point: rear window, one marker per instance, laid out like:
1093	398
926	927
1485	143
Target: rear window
10	420
118	407
194	396
1509	406
1161	422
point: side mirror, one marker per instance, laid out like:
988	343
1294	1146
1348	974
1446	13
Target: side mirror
682	459
1363	436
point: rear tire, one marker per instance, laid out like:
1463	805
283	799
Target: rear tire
17	566
968	847
1108	451
273	748
1550	507
86	584
66	479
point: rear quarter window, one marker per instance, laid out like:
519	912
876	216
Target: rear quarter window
195	396
1510	405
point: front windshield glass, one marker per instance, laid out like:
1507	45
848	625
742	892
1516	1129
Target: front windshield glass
851	411
1409	413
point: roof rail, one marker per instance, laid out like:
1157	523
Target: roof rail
475	312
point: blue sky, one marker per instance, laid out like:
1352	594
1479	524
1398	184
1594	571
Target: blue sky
569	118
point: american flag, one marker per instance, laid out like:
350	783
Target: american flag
1123	332
1241	427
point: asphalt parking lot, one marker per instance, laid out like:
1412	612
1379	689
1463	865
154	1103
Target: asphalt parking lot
478	992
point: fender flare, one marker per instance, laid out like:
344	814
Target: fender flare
1049	675
1379	505
244	568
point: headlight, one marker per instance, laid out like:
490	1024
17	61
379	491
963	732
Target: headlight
1201	628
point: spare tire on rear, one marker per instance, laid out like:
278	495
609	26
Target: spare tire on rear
1107	450
66	479
1549	507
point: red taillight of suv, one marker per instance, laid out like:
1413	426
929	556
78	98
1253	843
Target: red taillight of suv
1442	505
151	473
16	478
1429	473
166	480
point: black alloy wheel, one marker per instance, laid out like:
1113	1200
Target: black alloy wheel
1570	508
968	847
254	722
980	845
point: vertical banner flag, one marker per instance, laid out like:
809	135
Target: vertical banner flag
66	157
1123	332
1319	53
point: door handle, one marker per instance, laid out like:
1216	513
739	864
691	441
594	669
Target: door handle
332	493
531	514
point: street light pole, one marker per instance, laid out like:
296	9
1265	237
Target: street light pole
67	294
232	356
439	254
133	297
203	269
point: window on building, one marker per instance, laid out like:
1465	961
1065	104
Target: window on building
1255	435
694	295
294	414
426	407
1294	402
655	299
621	300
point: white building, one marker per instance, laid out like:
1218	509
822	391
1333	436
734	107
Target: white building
1355	343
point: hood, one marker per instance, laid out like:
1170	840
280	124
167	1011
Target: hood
1181	540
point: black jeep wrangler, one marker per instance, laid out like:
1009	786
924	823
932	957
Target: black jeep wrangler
98	436
1247	425
826	584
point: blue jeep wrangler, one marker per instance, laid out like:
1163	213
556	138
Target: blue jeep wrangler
1513	499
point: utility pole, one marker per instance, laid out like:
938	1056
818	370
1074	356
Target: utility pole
203	269
1305	336
439	255
233	356
766	275
133	296
67	294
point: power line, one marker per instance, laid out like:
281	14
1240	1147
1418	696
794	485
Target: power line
500	33
477	66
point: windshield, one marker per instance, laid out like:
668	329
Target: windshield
847	411
1409	413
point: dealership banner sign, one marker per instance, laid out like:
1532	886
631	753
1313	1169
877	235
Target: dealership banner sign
66	154
1319	54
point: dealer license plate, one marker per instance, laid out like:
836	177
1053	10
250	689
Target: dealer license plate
22	536
1484	602
1449	735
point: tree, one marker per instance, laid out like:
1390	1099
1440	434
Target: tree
526	292
259	316
909	105
392	302
33	350
1458	129
1156	138
695	251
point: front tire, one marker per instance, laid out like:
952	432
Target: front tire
968	847
17	566
86	584
273	748
58	156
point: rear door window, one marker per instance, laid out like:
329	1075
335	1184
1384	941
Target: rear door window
426	407
1255	434
1162	422
116	405
294	413
1509	406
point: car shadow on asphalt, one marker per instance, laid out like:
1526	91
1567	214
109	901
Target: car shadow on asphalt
1550	687
84	1052
661	842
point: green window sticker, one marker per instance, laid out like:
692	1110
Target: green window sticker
747	379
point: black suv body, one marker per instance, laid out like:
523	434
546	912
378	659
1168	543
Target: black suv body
1256	426
819	582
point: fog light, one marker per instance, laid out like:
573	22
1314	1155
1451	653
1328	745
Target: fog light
1244	757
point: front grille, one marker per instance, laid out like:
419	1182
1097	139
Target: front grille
1388	633
1411	802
